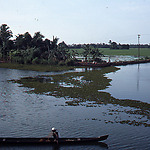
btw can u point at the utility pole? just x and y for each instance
(139, 45)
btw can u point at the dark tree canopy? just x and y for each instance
(27, 49)
(5, 35)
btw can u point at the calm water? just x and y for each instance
(133, 82)
(33, 115)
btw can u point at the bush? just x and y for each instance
(36, 61)
(28, 60)
(61, 63)
(52, 62)
(18, 59)
(70, 62)
(35, 52)
(44, 61)
(147, 57)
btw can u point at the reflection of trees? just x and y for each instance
(84, 87)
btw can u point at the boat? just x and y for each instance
(46, 140)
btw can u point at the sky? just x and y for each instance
(80, 21)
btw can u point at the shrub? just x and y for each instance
(27, 60)
(61, 63)
(44, 61)
(18, 59)
(52, 62)
(147, 57)
(36, 61)
(70, 62)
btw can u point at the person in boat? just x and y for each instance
(54, 134)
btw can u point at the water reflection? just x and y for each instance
(31, 110)
(133, 82)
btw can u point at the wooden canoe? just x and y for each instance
(45, 140)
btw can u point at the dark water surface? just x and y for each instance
(32, 115)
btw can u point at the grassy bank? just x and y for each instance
(42, 68)
(130, 52)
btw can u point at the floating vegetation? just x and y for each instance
(84, 89)
(134, 123)
(94, 118)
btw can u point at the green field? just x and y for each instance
(131, 52)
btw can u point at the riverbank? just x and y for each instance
(48, 68)
(42, 68)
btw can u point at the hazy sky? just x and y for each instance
(79, 21)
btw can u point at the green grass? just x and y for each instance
(131, 52)
(42, 68)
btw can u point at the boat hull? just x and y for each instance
(43, 140)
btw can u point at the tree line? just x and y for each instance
(25, 49)
(111, 45)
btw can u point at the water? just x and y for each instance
(115, 58)
(33, 115)
(133, 82)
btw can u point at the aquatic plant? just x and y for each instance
(84, 89)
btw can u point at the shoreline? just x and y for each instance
(41, 68)
(56, 68)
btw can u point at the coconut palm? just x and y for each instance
(5, 35)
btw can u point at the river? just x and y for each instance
(133, 82)
(24, 114)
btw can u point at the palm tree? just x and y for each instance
(5, 35)
(96, 53)
(37, 40)
(23, 41)
(87, 50)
